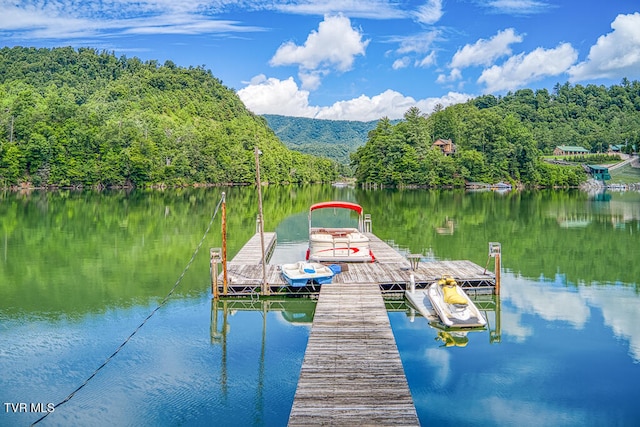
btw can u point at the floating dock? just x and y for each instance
(391, 272)
(352, 373)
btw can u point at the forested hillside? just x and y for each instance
(87, 118)
(502, 138)
(334, 139)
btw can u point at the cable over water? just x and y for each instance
(163, 302)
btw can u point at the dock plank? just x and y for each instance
(352, 373)
(251, 252)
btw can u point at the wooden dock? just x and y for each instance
(352, 373)
(392, 272)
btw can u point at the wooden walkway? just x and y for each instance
(251, 252)
(352, 373)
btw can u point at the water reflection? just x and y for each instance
(80, 271)
(557, 301)
(290, 311)
(549, 300)
(548, 369)
(620, 307)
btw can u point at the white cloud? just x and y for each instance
(428, 60)
(401, 63)
(72, 20)
(520, 70)
(416, 43)
(334, 45)
(413, 49)
(453, 76)
(427, 105)
(272, 96)
(518, 7)
(485, 52)
(371, 9)
(429, 13)
(310, 79)
(615, 55)
(390, 104)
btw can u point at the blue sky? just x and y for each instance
(352, 59)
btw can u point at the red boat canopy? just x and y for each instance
(337, 204)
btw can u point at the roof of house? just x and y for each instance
(441, 141)
(572, 148)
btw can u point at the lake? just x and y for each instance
(82, 271)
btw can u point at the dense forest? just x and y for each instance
(502, 138)
(87, 118)
(83, 118)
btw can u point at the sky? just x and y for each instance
(352, 59)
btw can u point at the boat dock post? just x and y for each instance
(215, 259)
(494, 252)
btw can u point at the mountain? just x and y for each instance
(84, 118)
(334, 139)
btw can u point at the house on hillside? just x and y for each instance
(615, 149)
(569, 150)
(598, 172)
(445, 145)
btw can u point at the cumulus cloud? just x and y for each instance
(615, 55)
(387, 104)
(272, 96)
(334, 45)
(522, 69)
(453, 76)
(485, 52)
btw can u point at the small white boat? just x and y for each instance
(453, 305)
(302, 273)
(338, 244)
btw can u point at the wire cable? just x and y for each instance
(163, 302)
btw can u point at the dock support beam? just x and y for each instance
(265, 287)
(224, 245)
(215, 260)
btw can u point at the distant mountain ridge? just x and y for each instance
(334, 139)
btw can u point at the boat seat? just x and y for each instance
(451, 296)
(306, 268)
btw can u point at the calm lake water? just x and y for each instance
(80, 271)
